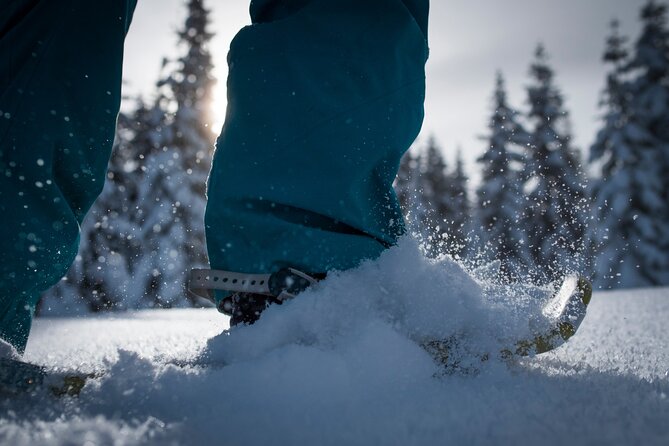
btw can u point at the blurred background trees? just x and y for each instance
(538, 209)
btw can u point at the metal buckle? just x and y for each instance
(288, 282)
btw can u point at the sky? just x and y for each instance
(469, 41)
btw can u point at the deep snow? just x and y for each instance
(341, 365)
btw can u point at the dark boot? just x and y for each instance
(245, 308)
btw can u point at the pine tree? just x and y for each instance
(649, 68)
(405, 182)
(499, 195)
(435, 181)
(613, 150)
(191, 86)
(415, 194)
(457, 216)
(432, 205)
(192, 81)
(173, 200)
(435, 200)
(557, 209)
(632, 151)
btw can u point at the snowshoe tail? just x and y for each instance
(68, 384)
(18, 377)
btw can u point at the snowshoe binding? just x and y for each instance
(251, 293)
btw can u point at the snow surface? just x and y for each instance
(341, 365)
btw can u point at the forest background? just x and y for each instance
(538, 205)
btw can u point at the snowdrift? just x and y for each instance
(342, 365)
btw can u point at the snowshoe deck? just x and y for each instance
(18, 377)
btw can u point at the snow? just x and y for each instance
(341, 365)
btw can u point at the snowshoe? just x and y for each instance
(18, 377)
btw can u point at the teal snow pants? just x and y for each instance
(324, 98)
(60, 89)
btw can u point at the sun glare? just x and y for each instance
(220, 101)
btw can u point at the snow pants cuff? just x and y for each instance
(60, 90)
(16, 313)
(324, 97)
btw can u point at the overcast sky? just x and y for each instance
(469, 41)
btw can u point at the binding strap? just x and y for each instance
(283, 284)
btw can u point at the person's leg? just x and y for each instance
(324, 97)
(60, 89)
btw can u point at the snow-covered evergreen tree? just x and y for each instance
(632, 152)
(613, 152)
(649, 68)
(186, 157)
(499, 195)
(140, 138)
(171, 200)
(192, 81)
(456, 219)
(434, 180)
(405, 184)
(431, 204)
(555, 218)
(415, 195)
(435, 200)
